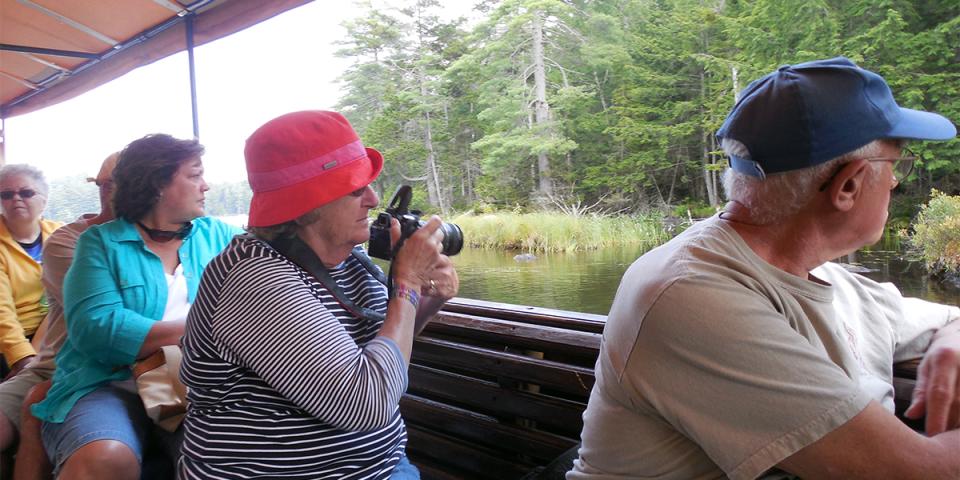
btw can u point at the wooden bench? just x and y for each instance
(497, 390)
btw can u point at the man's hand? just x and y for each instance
(937, 394)
(19, 365)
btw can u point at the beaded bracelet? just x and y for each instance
(410, 295)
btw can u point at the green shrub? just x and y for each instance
(694, 209)
(554, 232)
(936, 232)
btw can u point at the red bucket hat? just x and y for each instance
(302, 160)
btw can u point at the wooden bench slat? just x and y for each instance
(585, 322)
(517, 334)
(470, 462)
(552, 414)
(562, 377)
(429, 470)
(475, 429)
(907, 369)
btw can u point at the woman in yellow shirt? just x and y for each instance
(23, 196)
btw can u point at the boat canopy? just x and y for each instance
(54, 50)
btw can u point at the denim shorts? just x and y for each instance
(107, 413)
(405, 470)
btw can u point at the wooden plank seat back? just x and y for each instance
(498, 390)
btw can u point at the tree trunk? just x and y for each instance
(707, 158)
(717, 174)
(596, 81)
(736, 84)
(540, 106)
(434, 192)
(468, 165)
(673, 182)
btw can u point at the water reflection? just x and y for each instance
(583, 282)
(587, 282)
(888, 261)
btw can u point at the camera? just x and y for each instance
(409, 223)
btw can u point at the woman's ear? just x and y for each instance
(848, 184)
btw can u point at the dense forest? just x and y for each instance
(603, 105)
(613, 104)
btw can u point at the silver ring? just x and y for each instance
(433, 286)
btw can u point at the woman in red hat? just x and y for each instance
(295, 352)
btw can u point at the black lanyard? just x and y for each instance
(303, 256)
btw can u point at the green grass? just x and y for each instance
(936, 233)
(554, 232)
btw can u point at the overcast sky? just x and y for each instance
(281, 65)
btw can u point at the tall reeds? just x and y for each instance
(554, 232)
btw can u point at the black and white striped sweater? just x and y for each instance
(283, 381)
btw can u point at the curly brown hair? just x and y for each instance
(146, 167)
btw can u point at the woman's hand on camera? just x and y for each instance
(444, 282)
(420, 256)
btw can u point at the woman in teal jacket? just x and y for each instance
(126, 295)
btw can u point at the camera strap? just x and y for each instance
(303, 256)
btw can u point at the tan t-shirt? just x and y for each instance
(881, 326)
(716, 364)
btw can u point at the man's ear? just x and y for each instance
(848, 184)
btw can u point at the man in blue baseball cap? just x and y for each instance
(736, 350)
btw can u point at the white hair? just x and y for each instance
(24, 170)
(782, 195)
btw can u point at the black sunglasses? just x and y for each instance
(164, 236)
(24, 193)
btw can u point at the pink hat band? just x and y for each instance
(276, 179)
(302, 160)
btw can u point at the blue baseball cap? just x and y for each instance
(803, 115)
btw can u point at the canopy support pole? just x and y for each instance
(3, 141)
(193, 76)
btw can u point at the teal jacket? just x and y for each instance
(113, 293)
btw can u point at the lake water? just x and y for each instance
(582, 282)
(587, 282)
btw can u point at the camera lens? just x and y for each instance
(452, 239)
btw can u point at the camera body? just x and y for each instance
(398, 208)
